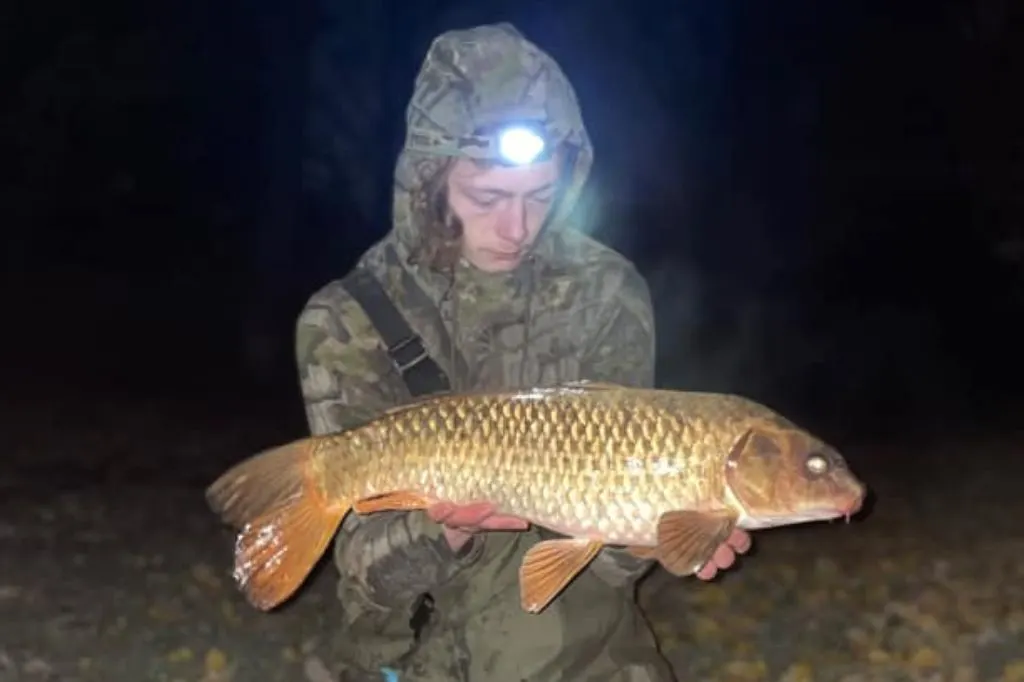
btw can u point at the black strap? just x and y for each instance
(422, 610)
(418, 370)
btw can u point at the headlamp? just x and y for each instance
(519, 145)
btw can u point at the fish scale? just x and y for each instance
(572, 461)
(668, 474)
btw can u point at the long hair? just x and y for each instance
(439, 229)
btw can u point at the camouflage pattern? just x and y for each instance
(574, 309)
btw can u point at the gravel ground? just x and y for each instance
(118, 572)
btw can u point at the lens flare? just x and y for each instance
(520, 146)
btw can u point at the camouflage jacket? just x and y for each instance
(574, 309)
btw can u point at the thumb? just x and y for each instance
(457, 539)
(440, 512)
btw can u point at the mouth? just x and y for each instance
(824, 514)
(853, 506)
(794, 518)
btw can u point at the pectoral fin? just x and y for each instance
(399, 500)
(550, 566)
(687, 539)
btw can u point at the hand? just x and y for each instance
(724, 557)
(461, 521)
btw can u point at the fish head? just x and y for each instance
(779, 475)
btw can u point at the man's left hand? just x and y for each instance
(462, 521)
(724, 557)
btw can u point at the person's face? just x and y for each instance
(501, 209)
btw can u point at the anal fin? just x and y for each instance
(688, 539)
(549, 566)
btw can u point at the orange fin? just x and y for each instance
(549, 566)
(284, 519)
(402, 500)
(687, 539)
(641, 552)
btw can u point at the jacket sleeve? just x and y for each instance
(386, 558)
(343, 371)
(623, 352)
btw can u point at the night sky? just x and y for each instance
(825, 199)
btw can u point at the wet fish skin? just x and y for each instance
(668, 473)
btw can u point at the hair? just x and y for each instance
(439, 229)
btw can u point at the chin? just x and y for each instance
(489, 264)
(505, 266)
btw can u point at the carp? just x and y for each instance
(667, 474)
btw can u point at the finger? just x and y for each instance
(457, 539)
(740, 541)
(470, 514)
(440, 512)
(458, 515)
(707, 571)
(723, 557)
(504, 523)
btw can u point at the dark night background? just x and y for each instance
(827, 200)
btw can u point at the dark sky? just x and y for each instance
(817, 192)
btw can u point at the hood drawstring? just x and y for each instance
(531, 279)
(450, 319)
(449, 304)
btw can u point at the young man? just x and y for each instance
(481, 284)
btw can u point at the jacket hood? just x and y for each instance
(475, 78)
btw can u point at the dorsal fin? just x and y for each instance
(576, 385)
(592, 385)
(416, 402)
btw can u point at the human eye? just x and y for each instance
(543, 195)
(483, 202)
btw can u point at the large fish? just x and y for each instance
(668, 474)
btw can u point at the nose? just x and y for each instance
(512, 223)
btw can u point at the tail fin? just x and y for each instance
(285, 521)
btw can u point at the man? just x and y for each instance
(482, 272)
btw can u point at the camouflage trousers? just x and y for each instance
(477, 631)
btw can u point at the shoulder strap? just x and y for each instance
(418, 370)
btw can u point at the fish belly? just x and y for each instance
(584, 505)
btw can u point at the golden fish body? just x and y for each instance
(585, 463)
(669, 474)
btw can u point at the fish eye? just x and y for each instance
(816, 464)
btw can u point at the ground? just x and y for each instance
(112, 568)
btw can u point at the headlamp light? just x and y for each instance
(519, 145)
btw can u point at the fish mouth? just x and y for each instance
(810, 515)
(796, 518)
(852, 506)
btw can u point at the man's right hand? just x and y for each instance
(392, 557)
(462, 521)
(737, 543)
